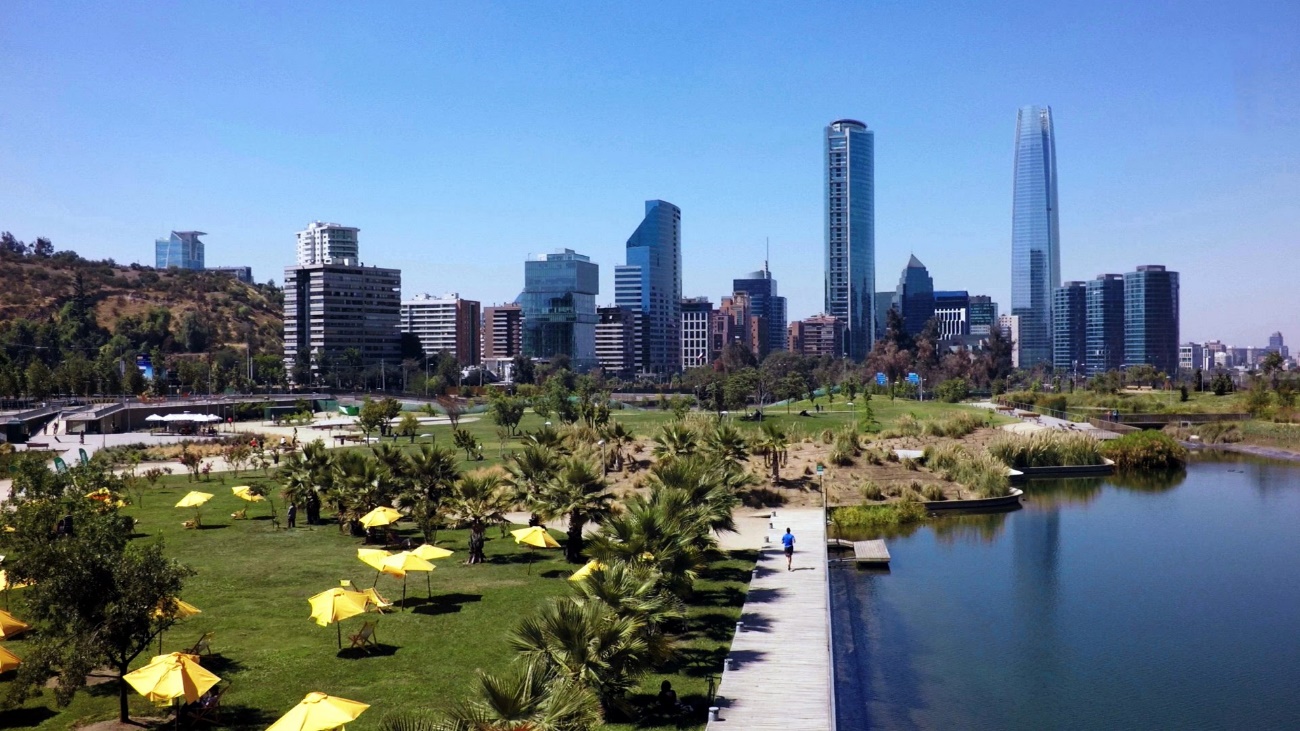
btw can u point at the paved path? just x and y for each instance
(780, 677)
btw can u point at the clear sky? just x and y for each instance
(462, 137)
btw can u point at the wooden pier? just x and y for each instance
(870, 552)
(779, 668)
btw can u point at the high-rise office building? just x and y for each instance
(1105, 328)
(444, 324)
(851, 232)
(1277, 345)
(761, 289)
(747, 327)
(1009, 327)
(1070, 327)
(331, 309)
(915, 296)
(328, 243)
(616, 341)
(1151, 318)
(884, 302)
(817, 336)
(983, 314)
(559, 307)
(1035, 234)
(1191, 356)
(651, 283)
(181, 250)
(503, 332)
(952, 313)
(243, 274)
(697, 313)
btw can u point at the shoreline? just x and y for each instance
(1247, 449)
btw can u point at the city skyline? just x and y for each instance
(1177, 122)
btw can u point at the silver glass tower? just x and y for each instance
(1035, 234)
(851, 232)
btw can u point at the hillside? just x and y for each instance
(131, 298)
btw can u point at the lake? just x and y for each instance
(1165, 603)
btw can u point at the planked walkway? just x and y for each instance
(870, 552)
(780, 677)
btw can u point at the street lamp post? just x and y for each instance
(604, 463)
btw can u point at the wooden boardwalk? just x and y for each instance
(870, 552)
(780, 673)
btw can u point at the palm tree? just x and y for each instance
(619, 438)
(578, 491)
(635, 592)
(726, 445)
(479, 500)
(549, 437)
(391, 458)
(531, 468)
(674, 441)
(359, 486)
(710, 487)
(525, 700)
(662, 531)
(433, 471)
(585, 644)
(772, 445)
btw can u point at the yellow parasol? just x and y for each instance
(244, 492)
(183, 609)
(431, 553)
(8, 661)
(11, 626)
(374, 558)
(194, 500)
(5, 585)
(404, 562)
(534, 537)
(172, 676)
(380, 516)
(318, 712)
(585, 571)
(335, 605)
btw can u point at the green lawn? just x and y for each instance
(252, 583)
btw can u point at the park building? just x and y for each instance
(446, 324)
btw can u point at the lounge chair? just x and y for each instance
(381, 604)
(365, 638)
(203, 646)
(241, 514)
(206, 709)
(190, 524)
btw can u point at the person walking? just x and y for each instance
(293, 515)
(787, 540)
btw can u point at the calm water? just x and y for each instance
(1173, 604)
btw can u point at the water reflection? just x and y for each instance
(1057, 493)
(969, 528)
(1036, 556)
(1149, 481)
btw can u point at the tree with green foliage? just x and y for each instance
(952, 390)
(371, 417)
(479, 499)
(409, 426)
(577, 491)
(465, 440)
(507, 412)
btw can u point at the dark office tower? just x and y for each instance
(559, 307)
(761, 288)
(1105, 316)
(851, 232)
(915, 296)
(1151, 318)
(983, 314)
(1035, 234)
(1070, 327)
(651, 282)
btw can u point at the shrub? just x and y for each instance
(952, 390)
(979, 473)
(933, 493)
(955, 426)
(872, 491)
(828, 436)
(840, 457)
(910, 465)
(879, 516)
(1145, 450)
(1046, 449)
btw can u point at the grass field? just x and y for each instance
(252, 583)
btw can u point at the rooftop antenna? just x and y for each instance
(767, 251)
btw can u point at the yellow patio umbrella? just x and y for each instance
(585, 571)
(319, 712)
(431, 553)
(335, 605)
(534, 537)
(380, 516)
(11, 626)
(405, 562)
(172, 676)
(183, 609)
(245, 492)
(5, 584)
(194, 500)
(374, 558)
(8, 661)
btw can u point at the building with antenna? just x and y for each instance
(764, 302)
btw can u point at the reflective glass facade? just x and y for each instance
(766, 303)
(651, 283)
(915, 296)
(559, 307)
(1151, 318)
(983, 314)
(1070, 327)
(1035, 234)
(851, 232)
(182, 249)
(1105, 328)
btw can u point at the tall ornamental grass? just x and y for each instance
(980, 473)
(1046, 449)
(1145, 450)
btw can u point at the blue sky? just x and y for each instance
(462, 137)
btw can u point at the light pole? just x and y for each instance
(604, 463)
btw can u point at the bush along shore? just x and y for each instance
(1145, 451)
(1046, 449)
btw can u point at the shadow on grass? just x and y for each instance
(214, 527)
(444, 603)
(697, 662)
(555, 574)
(360, 653)
(220, 664)
(717, 626)
(727, 596)
(241, 717)
(643, 710)
(28, 717)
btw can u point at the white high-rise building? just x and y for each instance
(444, 324)
(328, 243)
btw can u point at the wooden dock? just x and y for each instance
(870, 552)
(780, 665)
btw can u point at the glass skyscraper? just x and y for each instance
(1151, 318)
(1070, 327)
(1035, 234)
(851, 232)
(766, 303)
(915, 296)
(182, 250)
(651, 282)
(1105, 338)
(559, 307)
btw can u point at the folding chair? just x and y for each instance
(365, 638)
(208, 708)
(203, 646)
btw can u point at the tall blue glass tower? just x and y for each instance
(182, 249)
(651, 282)
(1035, 234)
(559, 307)
(851, 232)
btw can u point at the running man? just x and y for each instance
(787, 540)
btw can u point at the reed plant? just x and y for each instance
(879, 516)
(954, 427)
(1046, 449)
(1145, 450)
(980, 473)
